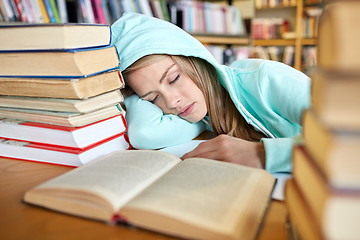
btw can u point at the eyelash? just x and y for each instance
(175, 79)
(154, 99)
(172, 82)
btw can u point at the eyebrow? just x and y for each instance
(161, 79)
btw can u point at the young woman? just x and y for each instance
(254, 106)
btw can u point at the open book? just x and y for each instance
(194, 198)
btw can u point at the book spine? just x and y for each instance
(21, 10)
(49, 11)
(44, 13)
(55, 10)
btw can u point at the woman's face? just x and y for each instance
(164, 84)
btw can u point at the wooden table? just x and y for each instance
(21, 221)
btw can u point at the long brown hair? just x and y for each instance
(224, 116)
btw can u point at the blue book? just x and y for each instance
(50, 11)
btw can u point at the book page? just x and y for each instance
(208, 194)
(116, 177)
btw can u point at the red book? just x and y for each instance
(53, 154)
(75, 137)
(99, 12)
(21, 9)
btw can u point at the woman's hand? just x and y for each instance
(231, 149)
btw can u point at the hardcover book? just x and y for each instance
(335, 98)
(338, 46)
(335, 151)
(192, 198)
(61, 118)
(63, 105)
(335, 211)
(22, 36)
(300, 215)
(59, 64)
(77, 88)
(75, 137)
(59, 155)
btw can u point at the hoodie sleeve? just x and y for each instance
(150, 128)
(288, 93)
(279, 152)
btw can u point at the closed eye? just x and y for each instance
(154, 99)
(175, 79)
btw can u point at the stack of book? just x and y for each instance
(323, 197)
(60, 93)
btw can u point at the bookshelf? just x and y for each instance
(217, 35)
(295, 35)
(228, 28)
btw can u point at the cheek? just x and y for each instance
(162, 105)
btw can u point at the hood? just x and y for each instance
(136, 35)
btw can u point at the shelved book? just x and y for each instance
(335, 151)
(335, 98)
(74, 137)
(60, 155)
(57, 87)
(63, 105)
(69, 63)
(68, 119)
(335, 211)
(193, 198)
(53, 36)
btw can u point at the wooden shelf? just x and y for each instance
(222, 39)
(276, 7)
(273, 42)
(309, 41)
(283, 42)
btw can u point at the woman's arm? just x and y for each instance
(231, 149)
(288, 93)
(150, 128)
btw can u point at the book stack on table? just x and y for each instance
(60, 93)
(323, 197)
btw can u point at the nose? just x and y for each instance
(172, 99)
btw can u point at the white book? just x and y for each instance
(74, 137)
(60, 155)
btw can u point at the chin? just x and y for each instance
(195, 119)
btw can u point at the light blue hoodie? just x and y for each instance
(271, 96)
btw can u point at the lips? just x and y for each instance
(186, 112)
